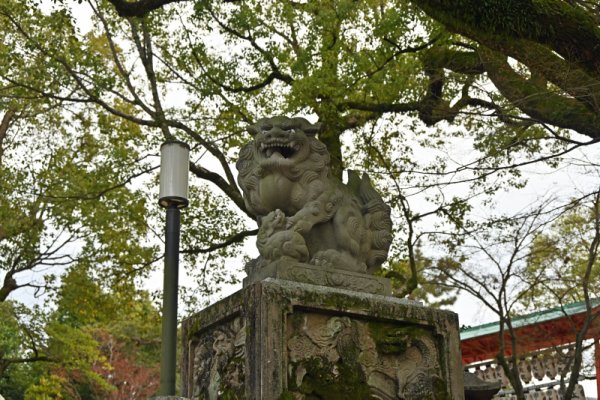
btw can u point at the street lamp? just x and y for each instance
(174, 166)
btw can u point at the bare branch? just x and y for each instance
(237, 238)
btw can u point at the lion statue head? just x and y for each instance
(285, 157)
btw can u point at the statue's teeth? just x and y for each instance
(277, 148)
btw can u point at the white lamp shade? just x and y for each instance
(174, 167)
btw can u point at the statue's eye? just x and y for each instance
(291, 131)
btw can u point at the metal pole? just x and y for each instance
(169, 318)
(597, 362)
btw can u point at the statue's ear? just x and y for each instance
(252, 130)
(312, 129)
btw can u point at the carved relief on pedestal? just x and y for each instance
(219, 362)
(360, 359)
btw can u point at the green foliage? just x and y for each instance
(78, 353)
(10, 336)
(96, 339)
(47, 388)
(81, 301)
(560, 256)
(22, 332)
(16, 378)
(434, 289)
(65, 201)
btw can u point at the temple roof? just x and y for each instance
(539, 330)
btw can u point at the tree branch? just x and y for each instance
(238, 237)
(9, 285)
(231, 191)
(6, 362)
(139, 8)
(567, 29)
(537, 101)
(7, 119)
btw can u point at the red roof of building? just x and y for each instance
(539, 330)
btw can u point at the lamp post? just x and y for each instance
(174, 166)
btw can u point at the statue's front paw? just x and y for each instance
(300, 226)
(337, 259)
(284, 244)
(321, 259)
(295, 249)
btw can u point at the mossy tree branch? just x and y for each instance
(139, 8)
(559, 25)
(557, 41)
(538, 101)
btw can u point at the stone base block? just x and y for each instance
(277, 339)
(337, 278)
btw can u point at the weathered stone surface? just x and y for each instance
(306, 273)
(278, 339)
(305, 214)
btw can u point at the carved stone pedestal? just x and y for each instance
(335, 278)
(278, 339)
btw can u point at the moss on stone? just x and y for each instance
(235, 367)
(297, 320)
(286, 395)
(229, 395)
(440, 389)
(391, 339)
(325, 380)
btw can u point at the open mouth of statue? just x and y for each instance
(279, 150)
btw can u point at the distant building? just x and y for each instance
(544, 344)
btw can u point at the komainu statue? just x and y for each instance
(304, 213)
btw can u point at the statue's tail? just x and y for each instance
(377, 216)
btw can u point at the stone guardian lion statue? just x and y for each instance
(304, 213)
